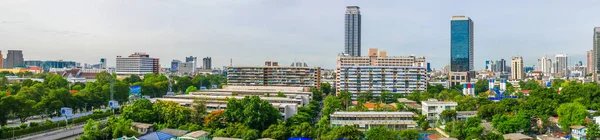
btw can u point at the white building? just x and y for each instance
(378, 72)
(561, 63)
(517, 71)
(544, 65)
(186, 68)
(368, 120)
(136, 64)
(432, 108)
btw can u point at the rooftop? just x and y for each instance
(141, 125)
(372, 114)
(196, 134)
(174, 132)
(516, 136)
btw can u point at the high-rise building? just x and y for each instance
(207, 63)
(461, 44)
(14, 58)
(137, 64)
(502, 66)
(1, 60)
(561, 64)
(352, 30)
(175, 65)
(596, 51)
(544, 65)
(378, 72)
(517, 71)
(194, 60)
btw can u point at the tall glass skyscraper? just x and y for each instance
(352, 39)
(461, 44)
(596, 52)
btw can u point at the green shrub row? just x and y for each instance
(8, 132)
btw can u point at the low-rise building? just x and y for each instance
(578, 132)
(142, 128)
(196, 135)
(516, 136)
(367, 120)
(464, 115)
(432, 108)
(271, 74)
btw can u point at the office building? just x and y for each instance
(378, 72)
(352, 30)
(186, 68)
(137, 64)
(561, 64)
(433, 108)
(590, 61)
(367, 120)
(1, 61)
(194, 61)
(596, 50)
(501, 67)
(271, 74)
(47, 65)
(207, 63)
(461, 44)
(14, 58)
(428, 67)
(544, 65)
(175, 65)
(517, 70)
(101, 65)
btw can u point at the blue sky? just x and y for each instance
(252, 31)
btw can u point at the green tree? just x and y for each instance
(331, 104)
(571, 114)
(199, 111)
(344, 132)
(304, 130)
(132, 79)
(326, 88)
(119, 127)
(380, 133)
(190, 89)
(237, 130)
(386, 97)
(280, 94)
(593, 132)
(277, 131)
(56, 81)
(171, 113)
(140, 111)
(409, 134)
(91, 131)
(245, 112)
(448, 115)
(492, 136)
(345, 97)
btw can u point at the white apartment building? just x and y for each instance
(271, 74)
(517, 71)
(136, 64)
(432, 108)
(367, 120)
(378, 72)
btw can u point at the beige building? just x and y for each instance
(516, 68)
(367, 120)
(271, 74)
(378, 72)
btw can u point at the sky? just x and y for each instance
(248, 32)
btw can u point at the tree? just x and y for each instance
(345, 97)
(423, 122)
(317, 95)
(171, 113)
(119, 127)
(140, 111)
(56, 81)
(91, 131)
(531, 85)
(506, 124)
(132, 79)
(277, 131)
(245, 112)
(199, 111)
(400, 106)
(448, 115)
(344, 132)
(237, 130)
(409, 134)
(326, 88)
(331, 104)
(593, 131)
(492, 136)
(280, 94)
(304, 130)
(380, 133)
(571, 114)
(190, 89)
(387, 97)
(365, 96)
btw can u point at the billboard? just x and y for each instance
(113, 104)
(215, 86)
(66, 111)
(135, 90)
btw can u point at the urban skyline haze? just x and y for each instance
(250, 32)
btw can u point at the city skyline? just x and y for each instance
(291, 31)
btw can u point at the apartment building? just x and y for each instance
(137, 64)
(271, 74)
(378, 72)
(367, 120)
(432, 108)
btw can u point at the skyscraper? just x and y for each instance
(1, 60)
(14, 58)
(207, 63)
(352, 38)
(461, 44)
(517, 71)
(193, 60)
(561, 63)
(596, 49)
(545, 65)
(590, 61)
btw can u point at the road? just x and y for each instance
(58, 134)
(13, 123)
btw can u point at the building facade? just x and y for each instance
(461, 44)
(273, 75)
(517, 70)
(544, 65)
(186, 68)
(137, 64)
(47, 65)
(433, 108)
(1, 61)
(596, 49)
(378, 72)
(352, 30)
(590, 61)
(561, 64)
(14, 58)
(207, 63)
(367, 120)
(194, 61)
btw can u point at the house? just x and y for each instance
(196, 135)
(174, 132)
(222, 138)
(516, 136)
(142, 128)
(464, 115)
(157, 136)
(578, 132)
(432, 108)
